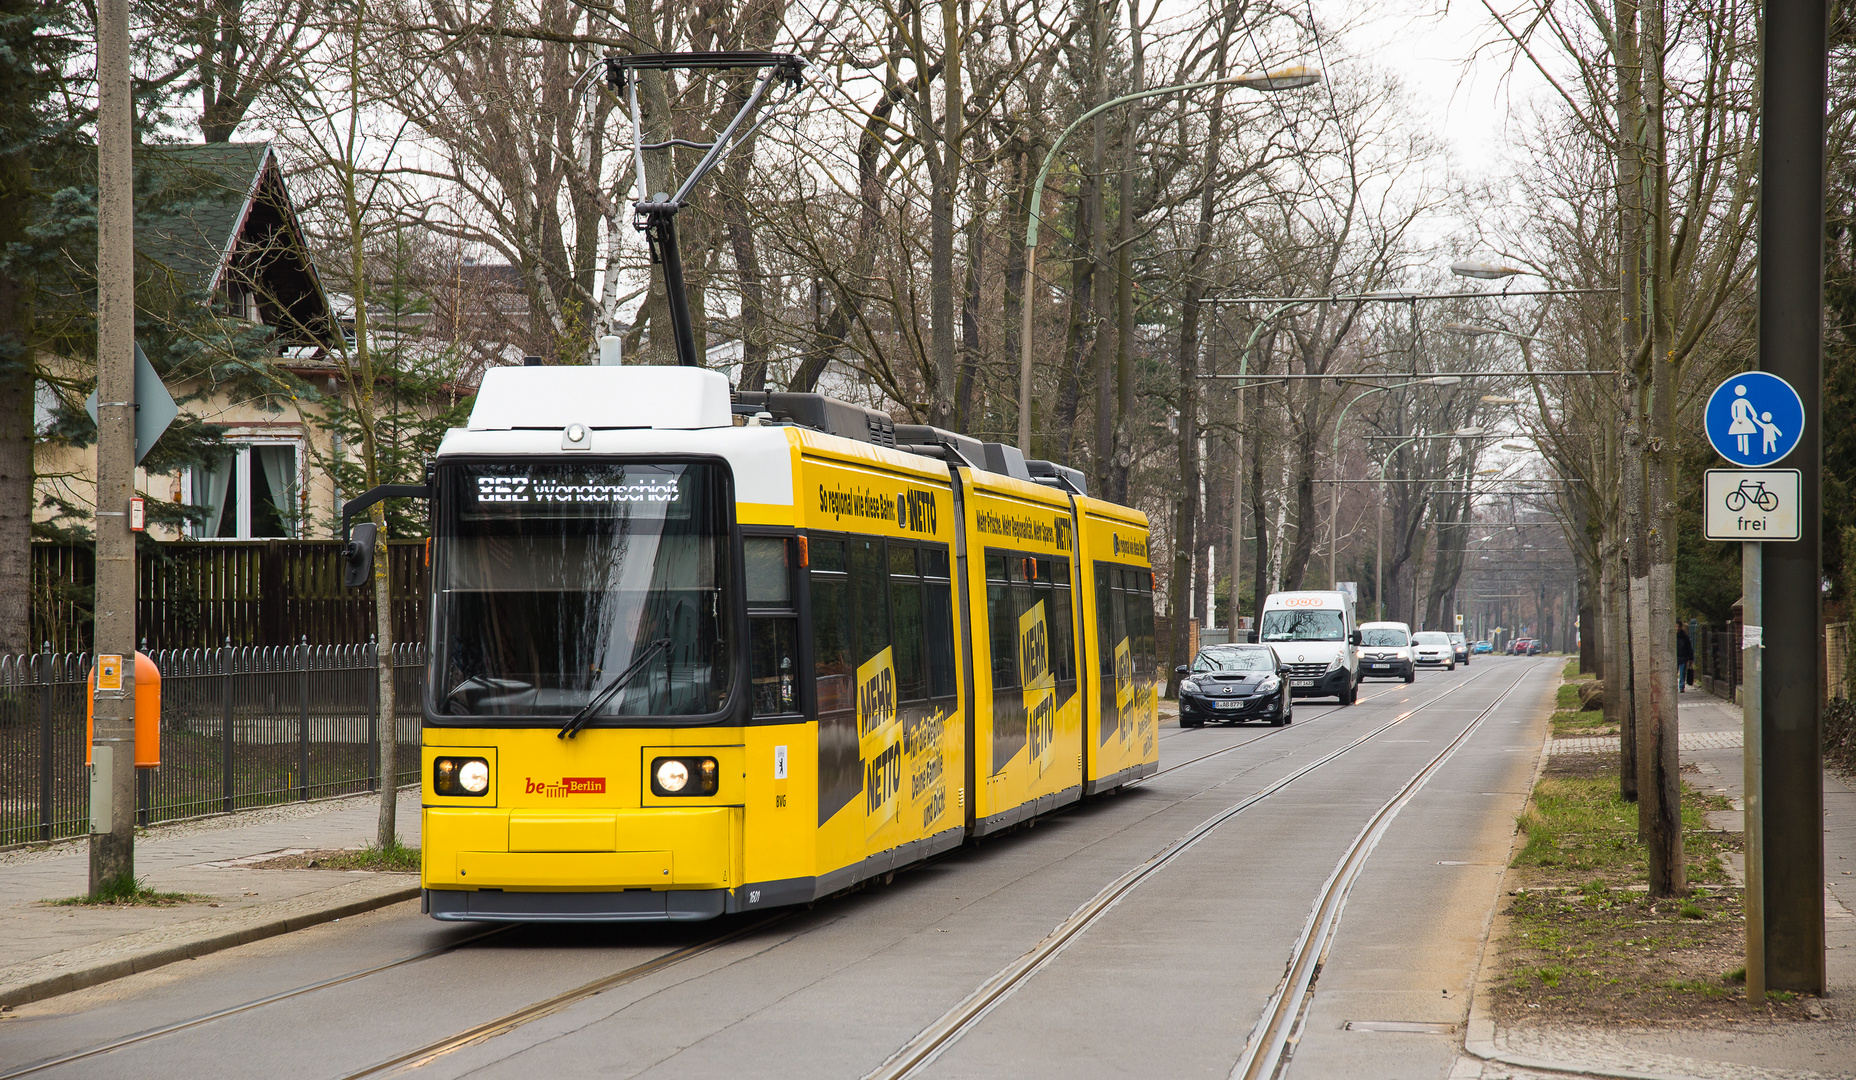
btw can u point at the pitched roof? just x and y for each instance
(206, 210)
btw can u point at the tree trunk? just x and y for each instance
(1186, 498)
(1658, 762)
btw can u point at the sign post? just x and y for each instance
(1755, 420)
(1791, 312)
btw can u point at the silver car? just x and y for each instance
(1432, 648)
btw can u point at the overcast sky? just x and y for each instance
(1432, 45)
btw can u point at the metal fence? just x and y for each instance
(207, 593)
(240, 728)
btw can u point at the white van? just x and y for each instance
(1315, 636)
(1385, 651)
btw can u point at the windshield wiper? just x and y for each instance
(580, 719)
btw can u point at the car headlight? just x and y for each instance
(689, 777)
(1335, 664)
(1189, 686)
(460, 776)
(1268, 685)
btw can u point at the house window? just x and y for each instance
(250, 494)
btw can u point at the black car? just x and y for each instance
(1229, 684)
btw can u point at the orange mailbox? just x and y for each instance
(147, 708)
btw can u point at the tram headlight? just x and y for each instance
(688, 777)
(460, 776)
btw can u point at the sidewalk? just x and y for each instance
(1710, 741)
(47, 950)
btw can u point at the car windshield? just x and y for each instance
(1384, 638)
(1429, 637)
(1457, 639)
(1234, 658)
(1317, 625)
(552, 580)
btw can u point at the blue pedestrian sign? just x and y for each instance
(1754, 419)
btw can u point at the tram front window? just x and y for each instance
(552, 580)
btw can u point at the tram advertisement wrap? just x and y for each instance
(1040, 686)
(879, 739)
(924, 741)
(1124, 690)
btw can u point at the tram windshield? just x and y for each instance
(554, 579)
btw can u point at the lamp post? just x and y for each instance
(1288, 78)
(1334, 488)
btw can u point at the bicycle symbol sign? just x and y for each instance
(1751, 504)
(1754, 419)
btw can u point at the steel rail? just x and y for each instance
(234, 1010)
(928, 1044)
(510, 1021)
(1265, 1049)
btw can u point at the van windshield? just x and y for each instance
(1318, 625)
(1384, 637)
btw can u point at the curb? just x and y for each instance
(1479, 1032)
(76, 969)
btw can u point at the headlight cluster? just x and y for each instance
(1189, 686)
(1268, 685)
(683, 776)
(460, 776)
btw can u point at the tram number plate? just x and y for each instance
(1230, 704)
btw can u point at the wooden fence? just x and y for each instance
(209, 594)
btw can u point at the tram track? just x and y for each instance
(1267, 1049)
(1271, 1032)
(258, 1003)
(489, 1029)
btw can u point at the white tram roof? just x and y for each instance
(550, 398)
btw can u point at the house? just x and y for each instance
(215, 224)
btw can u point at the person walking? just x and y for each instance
(1685, 658)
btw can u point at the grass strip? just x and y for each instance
(126, 890)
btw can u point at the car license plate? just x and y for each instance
(1231, 704)
(1381, 667)
(1302, 682)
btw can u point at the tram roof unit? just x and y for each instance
(527, 410)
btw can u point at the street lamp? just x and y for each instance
(1334, 488)
(1492, 399)
(1288, 78)
(1471, 268)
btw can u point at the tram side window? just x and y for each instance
(1111, 628)
(773, 627)
(1001, 622)
(905, 593)
(870, 588)
(938, 619)
(840, 772)
(1138, 601)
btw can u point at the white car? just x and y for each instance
(1433, 648)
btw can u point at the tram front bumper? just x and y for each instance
(580, 851)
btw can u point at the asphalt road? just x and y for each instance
(1170, 981)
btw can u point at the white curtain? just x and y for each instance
(209, 489)
(279, 464)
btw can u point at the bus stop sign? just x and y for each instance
(1754, 419)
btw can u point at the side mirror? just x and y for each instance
(1182, 670)
(1355, 637)
(1253, 637)
(358, 555)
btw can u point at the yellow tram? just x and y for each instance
(694, 652)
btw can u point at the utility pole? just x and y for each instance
(1791, 272)
(112, 783)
